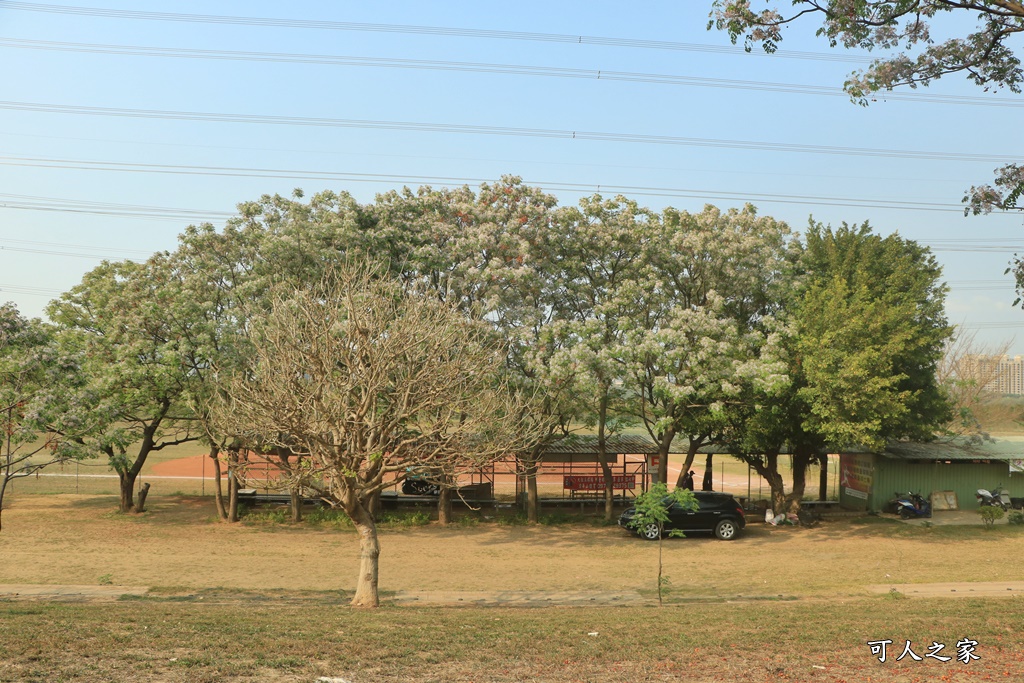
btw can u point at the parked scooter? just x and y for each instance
(997, 497)
(912, 505)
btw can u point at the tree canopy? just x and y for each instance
(370, 382)
(440, 328)
(35, 381)
(135, 364)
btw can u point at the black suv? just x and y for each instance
(718, 512)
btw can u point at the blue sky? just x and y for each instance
(60, 188)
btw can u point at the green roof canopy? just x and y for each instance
(958, 448)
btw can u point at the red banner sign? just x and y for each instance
(595, 482)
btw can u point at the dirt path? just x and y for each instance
(413, 598)
(26, 591)
(976, 589)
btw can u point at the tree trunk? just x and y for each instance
(664, 446)
(129, 474)
(143, 493)
(444, 504)
(232, 494)
(691, 455)
(709, 474)
(296, 493)
(218, 493)
(602, 458)
(529, 464)
(768, 468)
(823, 477)
(369, 557)
(3, 489)
(801, 460)
(127, 482)
(532, 499)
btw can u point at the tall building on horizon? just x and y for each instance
(998, 374)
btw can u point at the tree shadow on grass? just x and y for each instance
(562, 530)
(160, 510)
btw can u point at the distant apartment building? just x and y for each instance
(998, 374)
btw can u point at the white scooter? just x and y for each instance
(997, 497)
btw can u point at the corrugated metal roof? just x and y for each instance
(959, 448)
(585, 444)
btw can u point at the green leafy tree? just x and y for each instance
(34, 382)
(864, 331)
(904, 29)
(870, 334)
(136, 370)
(651, 512)
(600, 273)
(714, 276)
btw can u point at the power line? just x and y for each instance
(480, 67)
(491, 160)
(399, 180)
(35, 203)
(30, 291)
(323, 25)
(50, 252)
(8, 240)
(994, 325)
(995, 248)
(378, 124)
(978, 282)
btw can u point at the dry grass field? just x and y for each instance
(265, 601)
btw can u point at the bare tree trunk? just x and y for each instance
(532, 499)
(3, 489)
(444, 503)
(664, 446)
(529, 465)
(691, 455)
(233, 487)
(768, 468)
(143, 493)
(823, 477)
(218, 493)
(602, 458)
(127, 484)
(801, 460)
(369, 557)
(296, 493)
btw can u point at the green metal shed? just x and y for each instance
(868, 480)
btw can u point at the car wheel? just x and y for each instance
(726, 529)
(649, 531)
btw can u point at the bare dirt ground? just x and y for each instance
(76, 540)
